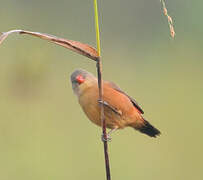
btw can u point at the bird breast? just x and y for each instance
(88, 100)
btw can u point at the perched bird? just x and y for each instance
(120, 110)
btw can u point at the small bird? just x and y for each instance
(120, 110)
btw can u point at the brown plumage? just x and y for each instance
(120, 109)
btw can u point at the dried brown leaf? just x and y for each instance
(78, 47)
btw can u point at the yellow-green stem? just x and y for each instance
(97, 27)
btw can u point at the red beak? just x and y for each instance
(80, 79)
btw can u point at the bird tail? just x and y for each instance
(148, 129)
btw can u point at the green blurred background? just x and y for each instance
(44, 134)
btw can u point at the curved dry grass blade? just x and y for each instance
(4, 35)
(78, 47)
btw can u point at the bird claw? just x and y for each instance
(106, 139)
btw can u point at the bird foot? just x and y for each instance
(106, 139)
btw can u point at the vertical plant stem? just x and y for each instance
(97, 27)
(100, 86)
(104, 134)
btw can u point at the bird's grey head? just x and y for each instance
(81, 78)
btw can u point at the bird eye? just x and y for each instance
(80, 79)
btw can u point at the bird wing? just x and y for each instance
(110, 107)
(117, 88)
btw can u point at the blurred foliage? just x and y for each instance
(44, 134)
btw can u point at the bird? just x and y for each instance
(120, 110)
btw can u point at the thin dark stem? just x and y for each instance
(104, 134)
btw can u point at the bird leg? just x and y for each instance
(110, 107)
(108, 137)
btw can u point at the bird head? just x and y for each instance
(82, 80)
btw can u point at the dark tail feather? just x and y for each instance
(148, 129)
